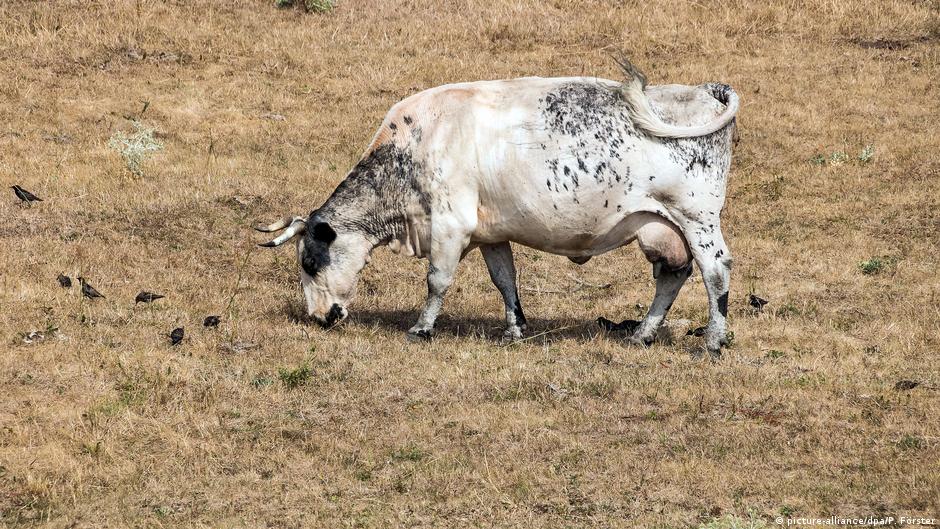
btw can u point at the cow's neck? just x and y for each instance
(383, 199)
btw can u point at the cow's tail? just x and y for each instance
(646, 119)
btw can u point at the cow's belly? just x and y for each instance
(566, 207)
(599, 221)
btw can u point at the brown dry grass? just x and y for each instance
(104, 424)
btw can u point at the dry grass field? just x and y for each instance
(833, 216)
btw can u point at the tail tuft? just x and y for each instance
(631, 72)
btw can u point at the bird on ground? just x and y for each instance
(87, 290)
(906, 385)
(627, 326)
(24, 195)
(698, 331)
(147, 297)
(757, 303)
(176, 336)
(64, 281)
(210, 321)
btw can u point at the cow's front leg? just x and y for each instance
(446, 251)
(502, 270)
(668, 283)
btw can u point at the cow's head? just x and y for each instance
(330, 262)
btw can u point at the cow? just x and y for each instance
(574, 166)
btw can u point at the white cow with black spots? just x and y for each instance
(574, 166)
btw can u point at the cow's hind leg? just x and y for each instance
(663, 245)
(668, 283)
(502, 270)
(713, 258)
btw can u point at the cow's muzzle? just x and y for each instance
(334, 316)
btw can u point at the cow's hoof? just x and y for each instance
(701, 353)
(642, 341)
(511, 335)
(419, 336)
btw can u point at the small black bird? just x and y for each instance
(698, 331)
(24, 195)
(210, 321)
(176, 336)
(87, 290)
(757, 303)
(627, 326)
(906, 385)
(147, 297)
(65, 281)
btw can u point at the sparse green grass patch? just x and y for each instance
(838, 158)
(295, 377)
(876, 265)
(409, 452)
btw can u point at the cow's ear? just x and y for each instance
(323, 232)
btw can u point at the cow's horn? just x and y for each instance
(297, 225)
(276, 225)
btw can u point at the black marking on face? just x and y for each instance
(323, 232)
(392, 126)
(619, 208)
(315, 255)
(605, 203)
(416, 134)
(408, 120)
(723, 304)
(719, 253)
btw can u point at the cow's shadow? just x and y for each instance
(475, 326)
(457, 325)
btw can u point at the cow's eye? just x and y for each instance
(310, 263)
